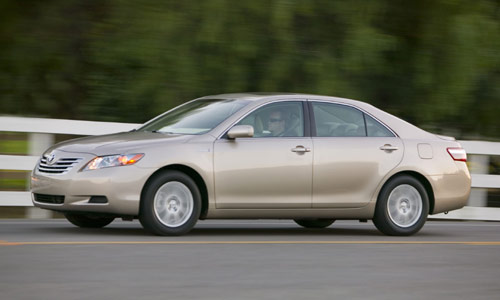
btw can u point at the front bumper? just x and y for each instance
(121, 186)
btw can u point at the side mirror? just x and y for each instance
(240, 131)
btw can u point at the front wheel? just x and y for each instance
(171, 204)
(314, 223)
(88, 221)
(402, 206)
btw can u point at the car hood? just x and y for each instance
(119, 143)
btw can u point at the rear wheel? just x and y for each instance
(314, 223)
(171, 204)
(88, 221)
(402, 206)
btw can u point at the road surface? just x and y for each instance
(246, 259)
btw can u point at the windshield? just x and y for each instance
(196, 117)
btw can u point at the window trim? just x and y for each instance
(313, 119)
(202, 99)
(306, 120)
(381, 123)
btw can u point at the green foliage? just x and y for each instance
(7, 184)
(13, 180)
(435, 63)
(13, 143)
(13, 147)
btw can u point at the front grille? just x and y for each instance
(52, 199)
(60, 166)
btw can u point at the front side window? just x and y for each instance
(196, 117)
(336, 120)
(281, 119)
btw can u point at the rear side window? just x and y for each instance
(336, 120)
(374, 128)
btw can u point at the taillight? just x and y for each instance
(457, 154)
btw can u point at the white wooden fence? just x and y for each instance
(41, 136)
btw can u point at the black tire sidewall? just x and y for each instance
(88, 221)
(314, 223)
(147, 216)
(381, 218)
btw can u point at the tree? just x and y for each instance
(434, 63)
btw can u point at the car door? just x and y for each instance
(353, 152)
(273, 169)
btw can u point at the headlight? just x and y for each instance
(100, 162)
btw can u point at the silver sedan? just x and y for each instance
(313, 159)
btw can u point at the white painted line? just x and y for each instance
(481, 147)
(61, 126)
(15, 199)
(18, 162)
(53, 243)
(471, 213)
(486, 181)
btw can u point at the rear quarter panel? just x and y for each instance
(450, 180)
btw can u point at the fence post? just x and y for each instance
(479, 164)
(37, 144)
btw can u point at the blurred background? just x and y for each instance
(434, 63)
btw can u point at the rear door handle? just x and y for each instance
(301, 149)
(389, 147)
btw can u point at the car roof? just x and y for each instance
(262, 95)
(401, 127)
(247, 96)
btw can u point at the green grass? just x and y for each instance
(11, 180)
(12, 212)
(13, 184)
(17, 144)
(14, 147)
(13, 143)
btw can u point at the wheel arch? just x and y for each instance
(421, 178)
(200, 183)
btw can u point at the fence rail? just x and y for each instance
(41, 135)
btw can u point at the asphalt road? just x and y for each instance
(51, 259)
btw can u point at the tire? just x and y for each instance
(402, 206)
(170, 204)
(88, 221)
(314, 223)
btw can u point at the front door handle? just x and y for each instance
(389, 147)
(301, 149)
